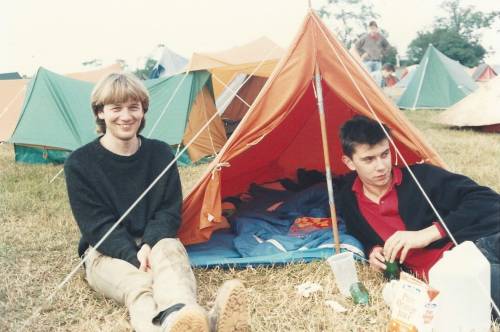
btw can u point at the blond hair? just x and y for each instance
(118, 88)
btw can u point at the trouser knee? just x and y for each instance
(170, 248)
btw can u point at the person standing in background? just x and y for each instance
(372, 47)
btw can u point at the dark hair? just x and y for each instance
(360, 130)
(389, 67)
(373, 24)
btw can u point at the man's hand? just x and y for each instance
(405, 240)
(377, 259)
(143, 255)
(364, 56)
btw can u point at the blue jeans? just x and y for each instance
(373, 65)
(490, 247)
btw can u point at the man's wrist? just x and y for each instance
(440, 228)
(433, 233)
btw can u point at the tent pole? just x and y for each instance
(420, 84)
(326, 155)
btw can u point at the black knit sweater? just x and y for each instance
(469, 210)
(102, 186)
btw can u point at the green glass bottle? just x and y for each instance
(391, 271)
(359, 293)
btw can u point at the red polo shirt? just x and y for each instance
(385, 220)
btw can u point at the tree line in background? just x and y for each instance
(457, 35)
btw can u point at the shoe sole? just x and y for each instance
(189, 320)
(233, 313)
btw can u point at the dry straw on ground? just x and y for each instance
(38, 240)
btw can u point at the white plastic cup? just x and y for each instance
(344, 270)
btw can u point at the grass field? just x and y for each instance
(38, 240)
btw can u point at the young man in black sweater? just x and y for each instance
(141, 263)
(386, 211)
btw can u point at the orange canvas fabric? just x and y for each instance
(304, 225)
(211, 139)
(281, 131)
(11, 101)
(95, 75)
(258, 57)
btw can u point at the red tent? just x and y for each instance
(483, 73)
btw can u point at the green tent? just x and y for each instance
(10, 76)
(56, 117)
(438, 83)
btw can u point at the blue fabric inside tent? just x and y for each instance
(262, 237)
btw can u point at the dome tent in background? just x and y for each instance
(56, 117)
(437, 83)
(246, 67)
(12, 93)
(483, 73)
(480, 109)
(170, 63)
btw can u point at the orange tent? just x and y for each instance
(95, 75)
(281, 131)
(258, 57)
(11, 102)
(12, 97)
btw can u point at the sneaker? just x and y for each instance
(230, 311)
(191, 318)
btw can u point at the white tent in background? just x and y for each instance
(170, 63)
(480, 109)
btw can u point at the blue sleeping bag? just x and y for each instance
(261, 237)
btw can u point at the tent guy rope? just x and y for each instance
(266, 57)
(167, 105)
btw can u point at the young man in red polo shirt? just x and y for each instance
(385, 210)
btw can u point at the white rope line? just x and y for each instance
(7, 107)
(235, 93)
(206, 119)
(420, 83)
(49, 299)
(231, 90)
(178, 148)
(397, 151)
(167, 105)
(55, 176)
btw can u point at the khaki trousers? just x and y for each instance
(145, 294)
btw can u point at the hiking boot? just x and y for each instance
(191, 318)
(230, 312)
